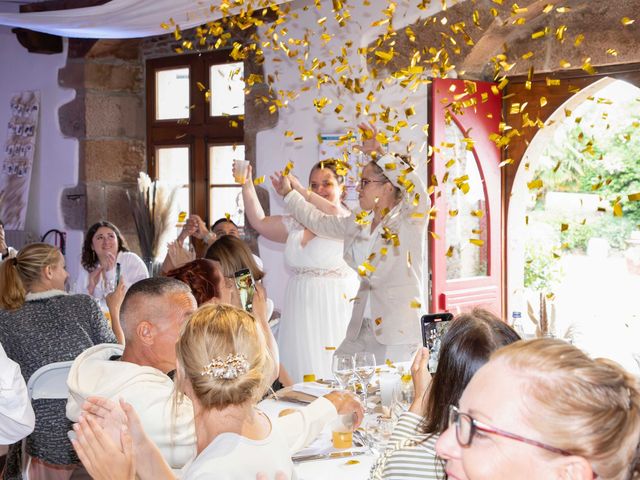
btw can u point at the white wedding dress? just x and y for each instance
(317, 306)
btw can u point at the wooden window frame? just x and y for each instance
(198, 132)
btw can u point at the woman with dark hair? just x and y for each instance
(385, 244)
(317, 303)
(466, 346)
(103, 250)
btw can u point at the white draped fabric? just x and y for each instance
(118, 18)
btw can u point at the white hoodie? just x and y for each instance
(147, 389)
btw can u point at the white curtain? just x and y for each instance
(118, 18)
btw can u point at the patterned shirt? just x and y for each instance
(409, 453)
(51, 327)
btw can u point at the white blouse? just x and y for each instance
(132, 270)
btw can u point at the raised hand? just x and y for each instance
(103, 457)
(110, 262)
(421, 379)
(370, 143)
(281, 183)
(94, 279)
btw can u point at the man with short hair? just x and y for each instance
(152, 313)
(225, 226)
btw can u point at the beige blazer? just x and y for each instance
(396, 286)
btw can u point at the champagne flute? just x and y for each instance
(365, 367)
(342, 368)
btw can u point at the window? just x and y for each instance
(195, 129)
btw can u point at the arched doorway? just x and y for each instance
(569, 242)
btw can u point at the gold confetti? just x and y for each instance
(227, 216)
(415, 304)
(449, 252)
(626, 21)
(352, 462)
(476, 241)
(564, 227)
(329, 348)
(634, 197)
(259, 180)
(617, 209)
(535, 184)
(378, 321)
(287, 169)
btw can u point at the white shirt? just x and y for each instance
(132, 270)
(17, 419)
(233, 457)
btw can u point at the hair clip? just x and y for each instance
(228, 369)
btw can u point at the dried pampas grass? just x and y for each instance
(151, 206)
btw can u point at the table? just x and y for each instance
(323, 469)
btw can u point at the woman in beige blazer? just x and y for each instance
(386, 245)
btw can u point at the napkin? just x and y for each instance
(312, 388)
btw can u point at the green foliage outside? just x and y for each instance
(542, 270)
(596, 151)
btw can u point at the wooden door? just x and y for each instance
(465, 235)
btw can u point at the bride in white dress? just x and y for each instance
(317, 305)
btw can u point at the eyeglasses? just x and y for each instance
(467, 426)
(365, 181)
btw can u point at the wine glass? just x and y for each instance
(342, 368)
(365, 367)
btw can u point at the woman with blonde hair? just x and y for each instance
(41, 324)
(544, 409)
(222, 360)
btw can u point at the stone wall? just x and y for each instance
(108, 119)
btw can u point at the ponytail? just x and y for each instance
(12, 291)
(18, 274)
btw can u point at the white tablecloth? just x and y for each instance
(337, 469)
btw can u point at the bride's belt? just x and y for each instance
(338, 272)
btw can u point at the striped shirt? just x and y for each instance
(409, 454)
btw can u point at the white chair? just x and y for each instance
(49, 381)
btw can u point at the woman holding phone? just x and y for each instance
(467, 345)
(105, 260)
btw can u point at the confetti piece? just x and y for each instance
(564, 227)
(626, 21)
(227, 216)
(310, 377)
(287, 168)
(415, 304)
(476, 241)
(259, 180)
(535, 184)
(634, 197)
(352, 462)
(449, 252)
(329, 348)
(378, 321)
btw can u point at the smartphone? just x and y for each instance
(434, 326)
(117, 274)
(246, 288)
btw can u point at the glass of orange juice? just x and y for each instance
(240, 170)
(342, 431)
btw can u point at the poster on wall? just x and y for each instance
(339, 146)
(18, 155)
